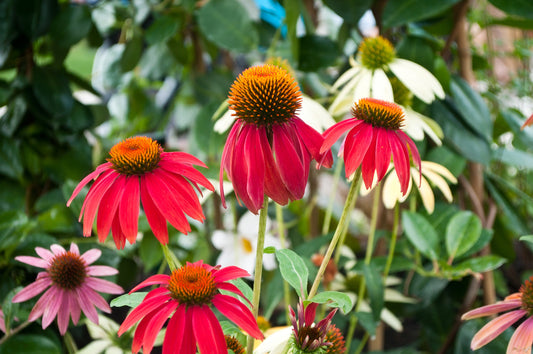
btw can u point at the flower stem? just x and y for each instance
(345, 230)
(172, 260)
(394, 237)
(343, 222)
(258, 273)
(281, 232)
(329, 210)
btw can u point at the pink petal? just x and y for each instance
(233, 289)
(74, 248)
(44, 253)
(103, 286)
(383, 153)
(32, 290)
(34, 261)
(207, 330)
(522, 338)
(274, 186)
(108, 206)
(239, 171)
(96, 299)
(142, 310)
(153, 280)
(256, 167)
(356, 146)
(186, 171)
(166, 202)
(414, 152)
(333, 133)
(313, 141)
(182, 158)
(129, 208)
(63, 313)
(155, 325)
(229, 273)
(492, 309)
(237, 312)
(101, 168)
(184, 193)
(95, 195)
(226, 158)
(91, 255)
(179, 337)
(74, 307)
(99, 270)
(290, 166)
(139, 336)
(50, 311)
(86, 304)
(400, 157)
(157, 222)
(368, 166)
(310, 314)
(118, 236)
(57, 249)
(495, 327)
(41, 305)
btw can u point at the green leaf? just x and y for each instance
(150, 252)
(162, 29)
(157, 62)
(471, 107)
(479, 264)
(522, 8)
(227, 24)
(527, 238)
(130, 300)
(292, 13)
(52, 90)
(293, 270)
(243, 287)
(71, 25)
(350, 11)
(10, 156)
(368, 322)
(376, 291)
(483, 240)
(421, 234)
(510, 21)
(334, 299)
(416, 49)
(132, 53)
(400, 12)
(30, 344)
(33, 17)
(513, 157)
(104, 17)
(462, 232)
(317, 52)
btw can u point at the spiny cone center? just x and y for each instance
(233, 344)
(192, 285)
(527, 296)
(376, 52)
(68, 270)
(135, 156)
(265, 95)
(335, 337)
(379, 113)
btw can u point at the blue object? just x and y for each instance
(272, 13)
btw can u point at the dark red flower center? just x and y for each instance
(234, 345)
(265, 95)
(135, 156)
(526, 290)
(379, 113)
(68, 270)
(310, 338)
(192, 285)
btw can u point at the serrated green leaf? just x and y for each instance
(130, 300)
(421, 234)
(334, 299)
(462, 232)
(293, 270)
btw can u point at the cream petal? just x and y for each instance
(364, 83)
(345, 77)
(381, 87)
(275, 343)
(417, 79)
(440, 183)
(391, 193)
(344, 100)
(224, 122)
(315, 115)
(441, 170)
(428, 198)
(417, 124)
(389, 318)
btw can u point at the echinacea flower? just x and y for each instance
(374, 135)
(522, 305)
(72, 286)
(269, 148)
(186, 296)
(238, 248)
(139, 170)
(433, 172)
(2, 322)
(305, 336)
(367, 76)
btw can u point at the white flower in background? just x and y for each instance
(276, 341)
(437, 174)
(367, 77)
(312, 113)
(239, 248)
(417, 125)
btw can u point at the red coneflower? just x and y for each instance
(522, 305)
(374, 135)
(187, 295)
(139, 169)
(72, 286)
(269, 149)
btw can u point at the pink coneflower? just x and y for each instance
(308, 336)
(374, 135)
(139, 169)
(187, 295)
(522, 304)
(269, 149)
(72, 286)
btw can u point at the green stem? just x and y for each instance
(394, 237)
(350, 332)
(362, 344)
(172, 260)
(14, 331)
(281, 232)
(344, 220)
(329, 210)
(258, 273)
(345, 230)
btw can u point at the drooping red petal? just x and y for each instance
(313, 141)
(108, 207)
(156, 220)
(144, 308)
(129, 208)
(289, 163)
(238, 313)
(274, 186)
(155, 325)
(118, 235)
(400, 157)
(179, 337)
(186, 171)
(229, 273)
(356, 147)
(383, 153)
(140, 330)
(256, 167)
(99, 169)
(182, 158)
(92, 200)
(414, 152)
(207, 330)
(184, 194)
(233, 289)
(225, 160)
(239, 172)
(368, 166)
(333, 133)
(153, 280)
